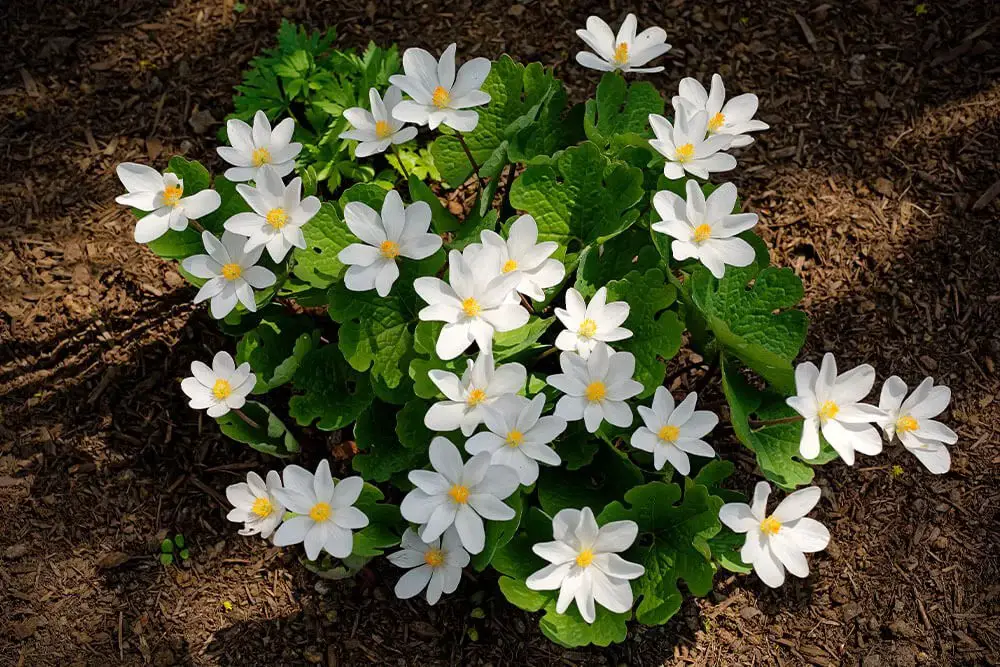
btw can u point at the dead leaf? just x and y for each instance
(112, 560)
(201, 121)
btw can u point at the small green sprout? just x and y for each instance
(171, 548)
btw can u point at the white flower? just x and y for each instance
(585, 565)
(469, 397)
(912, 421)
(163, 196)
(255, 505)
(831, 403)
(232, 273)
(474, 303)
(596, 388)
(439, 96)
(400, 231)
(521, 252)
(254, 148)
(326, 512)
(778, 541)
(460, 495)
(518, 436)
(705, 229)
(627, 51)
(436, 566)
(686, 148)
(377, 129)
(672, 433)
(277, 217)
(735, 118)
(589, 325)
(218, 389)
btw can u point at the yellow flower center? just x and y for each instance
(222, 389)
(587, 328)
(471, 307)
(510, 265)
(906, 424)
(669, 433)
(320, 512)
(685, 152)
(382, 129)
(389, 249)
(717, 121)
(260, 157)
(514, 439)
(277, 218)
(459, 493)
(828, 410)
(621, 54)
(172, 195)
(434, 557)
(770, 526)
(475, 397)
(596, 391)
(231, 271)
(702, 232)
(262, 507)
(441, 97)
(585, 558)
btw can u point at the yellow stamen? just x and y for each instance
(320, 512)
(702, 233)
(222, 389)
(459, 493)
(585, 558)
(770, 526)
(277, 218)
(260, 157)
(471, 307)
(828, 410)
(441, 97)
(434, 557)
(717, 121)
(475, 397)
(685, 152)
(509, 266)
(382, 129)
(596, 391)
(231, 271)
(621, 54)
(389, 249)
(906, 424)
(514, 439)
(587, 328)
(262, 507)
(669, 433)
(172, 195)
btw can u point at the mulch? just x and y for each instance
(878, 183)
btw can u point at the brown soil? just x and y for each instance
(878, 183)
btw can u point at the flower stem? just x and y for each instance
(774, 422)
(197, 225)
(242, 415)
(399, 159)
(552, 350)
(468, 154)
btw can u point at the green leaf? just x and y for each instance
(425, 336)
(179, 541)
(576, 447)
(509, 344)
(270, 436)
(333, 392)
(755, 323)
(570, 630)
(326, 235)
(499, 533)
(726, 548)
(276, 347)
(615, 258)
(469, 230)
(522, 597)
(777, 445)
(580, 195)
(385, 525)
(181, 244)
(166, 559)
(656, 332)
(607, 478)
(672, 543)
(441, 220)
(621, 109)
(167, 546)
(379, 434)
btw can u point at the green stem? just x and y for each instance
(774, 422)
(468, 154)
(242, 415)
(399, 159)
(197, 225)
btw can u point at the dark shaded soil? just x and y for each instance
(874, 183)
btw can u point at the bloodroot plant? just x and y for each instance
(490, 366)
